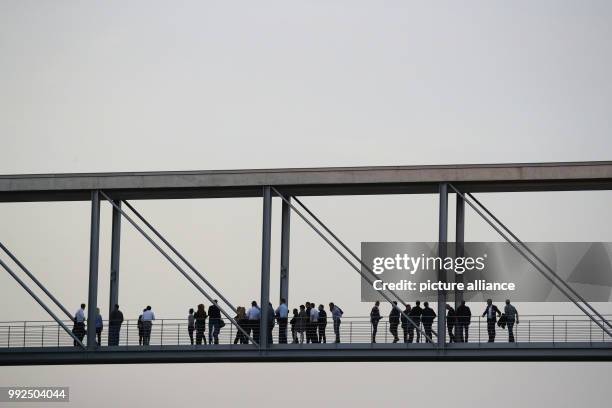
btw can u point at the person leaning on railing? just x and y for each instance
(337, 317)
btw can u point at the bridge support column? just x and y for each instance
(459, 241)
(265, 266)
(115, 255)
(94, 248)
(442, 242)
(284, 261)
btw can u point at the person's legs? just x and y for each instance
(190, 331)
(337, 330)
(294, 336)
(491, 330)
(255, 326)
(322, 337)
(282, 331)
(418, 333)
(302, 337)
(427, 332)
(211, 326)
(374, 330)
(405, 331)
(466, 330)
(511, 331)
(216, 331)
(410, 334)
(451, 335)
(99, 335)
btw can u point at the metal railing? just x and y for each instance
(173, 332)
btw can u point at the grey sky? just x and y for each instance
(149, 85)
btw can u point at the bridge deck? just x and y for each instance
(309, 181)
(309, 352)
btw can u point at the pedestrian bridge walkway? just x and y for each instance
(538, 337)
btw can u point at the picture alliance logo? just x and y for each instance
(414, 264)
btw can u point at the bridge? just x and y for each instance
(582, 337)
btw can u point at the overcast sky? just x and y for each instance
(186, 85)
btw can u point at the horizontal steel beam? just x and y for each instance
(310, 353)
(310, 181)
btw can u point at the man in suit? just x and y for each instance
(464, 316)
(491, 311)
(415, 316)
(394, 319)
(427, 317)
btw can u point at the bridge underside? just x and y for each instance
(313, 353)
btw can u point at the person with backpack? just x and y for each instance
(337, 318)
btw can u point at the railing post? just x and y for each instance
(94, 249)
(161, 340)
(442, 252)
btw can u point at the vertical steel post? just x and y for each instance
(115, 255)
(265, 266)
(94, 248)
(459, 244)
(442, 242)
(284, 261)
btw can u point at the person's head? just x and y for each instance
(191, 311)
(507, 301)
(302, 307)
(321, 307)
(426, 304)
(463, 303)
(331, 306)
(489, 302)
(97, 310)
(201, 307)
(448, 307)
(407, 306)
(83, 306)
(394, 303)
(215, 301)
(418, 303)
(254, 303)
(283, 301)
(295, 311)
(307, 305)
(116, 307)
(148, 307)
(377, 303)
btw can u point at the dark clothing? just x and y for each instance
(322, 324)
(282, 330)
(114, 327)
(214, 324)
(337, 329)
(451, 321)
(140, 330)
(293, 323)
(240, 336)
(99, 335)
(374, 319)
(427, 317)
(491, 321)
(394, 318)
(464, 317)
(200, 326)
(405, 324)
(415, 316)
(78, 329)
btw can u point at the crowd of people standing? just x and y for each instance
(308, 323)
